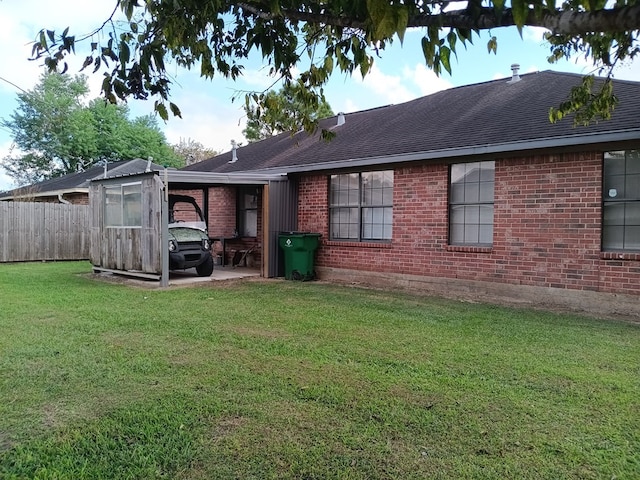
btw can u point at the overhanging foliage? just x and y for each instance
(217, 36)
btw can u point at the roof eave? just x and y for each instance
(48, 193)
(471, 151)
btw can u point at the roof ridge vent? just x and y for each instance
(341, 119)
(515, 67)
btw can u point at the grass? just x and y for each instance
(304, 380)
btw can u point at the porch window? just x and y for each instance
(361, 206)
(471, 187)
(248, 212)
(621, 201)
(123, 205)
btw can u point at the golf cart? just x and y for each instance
(189, 244)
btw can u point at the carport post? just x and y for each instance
(164, 244)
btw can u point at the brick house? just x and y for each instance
(471, 189)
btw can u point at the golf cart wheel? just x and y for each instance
(205, 268)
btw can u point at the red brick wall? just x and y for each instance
(187, 214)
(222, 221)
(547, 220)
(222, 211)
(74, 198)
(77, 198)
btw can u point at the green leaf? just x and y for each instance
(328, 64)
(35, 49)
(428, 50)
(402, 13)
(274, 6)
(520, 10)
(452, 39)
(492, 45)
(445, 54)
(162, 111)
(124, 53)
(43, 40)
(87, 61)
(175, 110)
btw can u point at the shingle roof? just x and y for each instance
(485, 114)
(81, 180)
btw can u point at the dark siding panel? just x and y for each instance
(283, 217)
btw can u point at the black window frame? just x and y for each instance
(360, 207)
(621, 199)
(464, 203)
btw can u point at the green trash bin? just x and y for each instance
(299, 249)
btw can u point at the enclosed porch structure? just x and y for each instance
(244, 215)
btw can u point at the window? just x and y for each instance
(248, 212)
(621, 201)
(471, 204)
(123, 205)
(361, 206)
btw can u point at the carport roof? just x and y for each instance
(202, 178)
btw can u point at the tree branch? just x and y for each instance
(558, 22)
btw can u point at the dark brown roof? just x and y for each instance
(492, 114)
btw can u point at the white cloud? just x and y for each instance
(258, 79)
(206, 119)
(22, 20)
(628, 71)
(426, 81)
(387, 88)
(349, 106)
(534, 34)
(379, 88)
(6, 183)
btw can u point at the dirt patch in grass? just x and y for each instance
(226, 426)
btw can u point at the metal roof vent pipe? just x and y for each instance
(515, 77)
(341, 119)
(234, 155)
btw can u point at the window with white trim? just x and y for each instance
(123, 205)
(361, 206)
(471, 191)
(621, 201)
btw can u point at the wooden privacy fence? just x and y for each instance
(31, 231)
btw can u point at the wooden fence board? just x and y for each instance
(32, 231)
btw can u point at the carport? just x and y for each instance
(130, 217)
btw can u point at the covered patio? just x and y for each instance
(244, 215)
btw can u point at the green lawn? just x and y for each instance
(274, 379)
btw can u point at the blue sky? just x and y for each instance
(209, 115)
